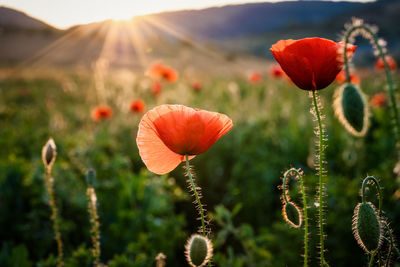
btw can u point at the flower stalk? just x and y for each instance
(321, 147)
(197, 194)
(49, 153)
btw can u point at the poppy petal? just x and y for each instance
(157, 157)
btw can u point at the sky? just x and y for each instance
(65, 13)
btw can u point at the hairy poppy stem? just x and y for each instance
(378, 187)
(200, 207)
(49, 181)
(94, 220)
(391, 244)
(303, 192)
(320, 182)
(366, 29)
(203, 226)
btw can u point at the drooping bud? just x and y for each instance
(367, 227)
(198, 250)
(351, 109)
(49, 153)
(90, 177)
(292, 214)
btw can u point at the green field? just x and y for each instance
(142, 214)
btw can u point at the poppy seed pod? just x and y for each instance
(367, 228)
(198, 250)
(49, 154)
(351, 109)
(292, 214)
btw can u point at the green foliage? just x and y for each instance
(142, 214)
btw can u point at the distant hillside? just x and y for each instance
(251, 19)
(226, 32)
(13, 20)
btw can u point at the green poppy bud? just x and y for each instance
(367, 227)
(198, 250)
(49, 154)
(351, 109)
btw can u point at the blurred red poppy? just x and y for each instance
(160, 71)
(255, 77)
(311, 63)
(155, 69)
(156, 88)
(169, 132)
(197, 86)
(101, 113)
(276, 71)
(379, 100)
(341, 78)
(379, 65)
(169, 74)
(137, 106)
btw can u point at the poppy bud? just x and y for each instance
(198, 250)
(367, 228)
(49, 154)
(90, 177)
(351, 109)
(292, 214)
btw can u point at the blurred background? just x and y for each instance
(60, 61)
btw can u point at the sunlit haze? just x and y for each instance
(63, 14)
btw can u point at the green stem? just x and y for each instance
(371, 261)
(203, 225)
(320, 182)
(303, 192)
(391, 244)
(389, 78)
(50, 190)
(201, 210)
(94, 220)
(378, 188)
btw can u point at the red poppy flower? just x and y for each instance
(156, 88)
(311, 63)
(169, 74)
(137, 106)
(379, 65)
(276, 71)
(155, 69)
(101, 113)
(160, 71)
(379, 100)
(197, 86)
(341, 77)
(255, 77)
(169, 132)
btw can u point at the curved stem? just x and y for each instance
(320, 174)
(389, 78)
(303, 192)
(203, 226)
(391, 244)
(378, 188)
(56, 227)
